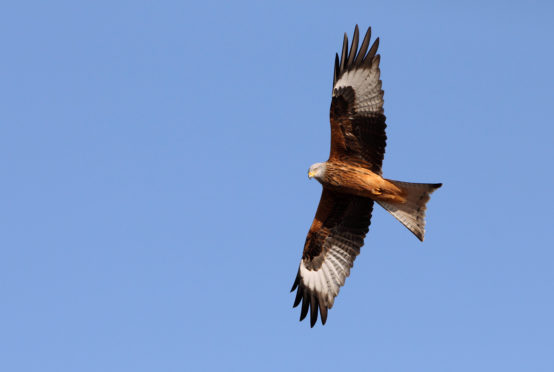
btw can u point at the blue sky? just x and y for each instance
(155, 199)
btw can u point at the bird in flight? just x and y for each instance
(352, 182)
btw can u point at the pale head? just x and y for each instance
(317, 171)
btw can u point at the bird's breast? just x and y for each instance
(358, 181)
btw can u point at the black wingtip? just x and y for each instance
(344, 54)
(298, 298)
(353, 47)
(363, 47)
(372, 52)
(305, 306)
(323, 313)
(296, 281)
(336, 70)
(314, 306)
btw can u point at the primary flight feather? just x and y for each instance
(352, 182)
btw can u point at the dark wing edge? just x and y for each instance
(332, 244)
(357, 115)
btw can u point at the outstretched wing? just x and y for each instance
(333, 242)
(357, 119)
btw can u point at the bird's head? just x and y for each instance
(317, 171)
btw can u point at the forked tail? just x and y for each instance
(412, 213)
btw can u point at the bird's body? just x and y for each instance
(355, 180)
(352, 182)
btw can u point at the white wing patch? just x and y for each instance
(326, 281)
(367, 87)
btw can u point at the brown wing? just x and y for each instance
(333, 242)
(357, 119)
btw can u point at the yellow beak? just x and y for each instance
(310, 174)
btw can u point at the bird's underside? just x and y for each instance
(352, 182)
(355, 180)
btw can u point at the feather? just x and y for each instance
(363, 48)
(344, 55)
(296, 281)
(298, 297)
(337, 69)
(369, 59)
(323, 313)
(305, 305)
(353, 47)
(313, 310)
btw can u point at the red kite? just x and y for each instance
(352, 181)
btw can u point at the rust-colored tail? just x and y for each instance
(412, 213)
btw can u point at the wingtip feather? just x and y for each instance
(337, 69)
(298, 298)
(296, 281)
(353, 47)
(313, 310)
(372, 52)
(323, 313)
(344, 54)
(305, 305)
(363, 48)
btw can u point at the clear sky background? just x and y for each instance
(155, 199)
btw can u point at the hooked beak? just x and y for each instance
(310, 174)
